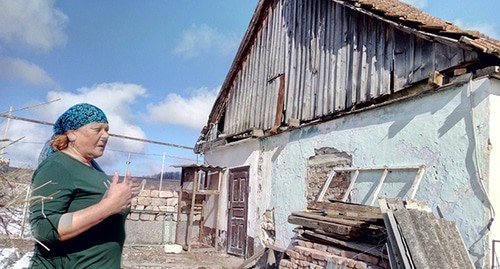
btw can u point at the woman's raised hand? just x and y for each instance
(120, 193)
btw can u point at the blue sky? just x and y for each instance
(154, 67)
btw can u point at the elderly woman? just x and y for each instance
(78, 215)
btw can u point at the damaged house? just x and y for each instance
(397, 101)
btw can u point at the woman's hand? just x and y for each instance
(119, 195)
(117, 198)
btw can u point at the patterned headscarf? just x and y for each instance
(78, 116)
(74, 118)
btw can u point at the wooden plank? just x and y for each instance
(269, 90)
(341, 77)
(216, 213)
(416, 182)
(329, 227)
(351, 185)
(334, 57)
(380, 68)
(191, 211)
(292, 60)
(355, 63)
(262, 59)
(364, 65)
(326, 185)
(379, 186)
(388, 63)
(395, 241)
(351, 53)
(345, 207)
(370, 228)
(250, 91)
(329, 57)
(301, 60)
(352, 216)
(254, 257)
(324, 58)
(306, 88)
(279, 105)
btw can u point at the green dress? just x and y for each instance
(73, 186)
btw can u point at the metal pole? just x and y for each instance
(162, 170)
(128, 163)
(25, 210)
(6, 129)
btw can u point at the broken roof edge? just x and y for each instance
(413, 90)
(201, 166)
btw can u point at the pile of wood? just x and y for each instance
(337, 235)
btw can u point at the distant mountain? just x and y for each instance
(167, 176)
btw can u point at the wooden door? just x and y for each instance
(237, 211)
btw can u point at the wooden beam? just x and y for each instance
(279, 105)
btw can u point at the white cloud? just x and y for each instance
(32, 23)
(115, 99)
(19, 69)
(191, 112)
(416, 3)
(199, 40)
(25, 151)
(488, 29)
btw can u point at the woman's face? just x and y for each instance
(91, 139)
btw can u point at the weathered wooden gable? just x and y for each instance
(322, 58)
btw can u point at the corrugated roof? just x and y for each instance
(417, 239)
(200, 166)
(394, 11)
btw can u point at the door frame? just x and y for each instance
(238, 171)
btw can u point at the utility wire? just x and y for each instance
(152, 154)
(114, 135)
(37, 105)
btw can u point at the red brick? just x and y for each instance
(305, 243)
(292, 254)
(334, 250)
(320, 247)
(286, 263)
(367, 258)
(361, 265)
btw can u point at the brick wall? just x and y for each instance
(319, 166)
(155, 204)
(152, 218)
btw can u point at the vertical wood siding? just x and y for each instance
(333, 58)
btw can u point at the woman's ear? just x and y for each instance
(71, 137)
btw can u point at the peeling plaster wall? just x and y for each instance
(494, 149)
(437, 130)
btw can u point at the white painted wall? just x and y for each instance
(437, 130)
(242, 153)
(494, 171)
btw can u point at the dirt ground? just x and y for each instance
(156, 258)
(151, 257)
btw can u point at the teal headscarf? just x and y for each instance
(77, 116)
(74, 118)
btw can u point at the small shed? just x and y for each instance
(197, 222)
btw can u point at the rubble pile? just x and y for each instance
(333, 234)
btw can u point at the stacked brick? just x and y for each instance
(151, 205)
(337, 235)
(307, 254)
